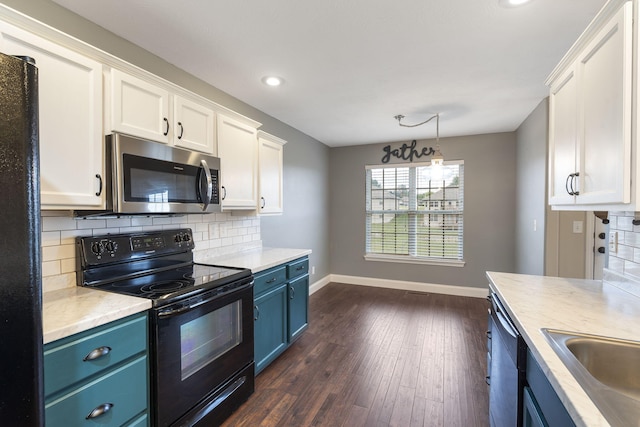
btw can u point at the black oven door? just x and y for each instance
(198, 346)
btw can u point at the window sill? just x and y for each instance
(413, 260)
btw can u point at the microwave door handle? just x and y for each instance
(207, 172)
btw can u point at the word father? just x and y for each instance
(406, 152)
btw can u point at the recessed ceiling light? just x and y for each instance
(513, 3)
(272, 80)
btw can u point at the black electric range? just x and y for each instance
(154, 265)
(200, 324)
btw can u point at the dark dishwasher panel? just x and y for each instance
(506, 369)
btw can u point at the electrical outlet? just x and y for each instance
(613, 242)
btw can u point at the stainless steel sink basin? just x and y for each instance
(608, 369)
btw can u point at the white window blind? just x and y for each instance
(415, 211)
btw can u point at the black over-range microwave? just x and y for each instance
(145, 177)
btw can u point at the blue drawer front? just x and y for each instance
(268, 279)
(545, 396)
(297, 268)
(63, 364)
(125, 388)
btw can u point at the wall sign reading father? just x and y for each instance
(406, 152)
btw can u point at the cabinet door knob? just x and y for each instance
(97, 353)
(601, 249)
(99, 410)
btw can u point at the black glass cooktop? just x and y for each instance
(166, 286)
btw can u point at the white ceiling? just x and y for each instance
(350, 66)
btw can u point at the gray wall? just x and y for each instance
(531, 167)
(305, 159)
(489, 220)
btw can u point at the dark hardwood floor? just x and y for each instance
(378, 357)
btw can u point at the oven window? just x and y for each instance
(206, 338)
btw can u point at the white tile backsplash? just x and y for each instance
(214, 235)
(626, 261)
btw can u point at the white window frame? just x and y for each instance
(412, 257)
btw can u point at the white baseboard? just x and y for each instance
(464, 291)
(316, 286)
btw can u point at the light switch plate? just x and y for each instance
(577, 227)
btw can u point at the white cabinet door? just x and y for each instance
(270, 173)
(70, 120)
(563, 133)
(238, 152)
(194, 125)
(139, 108)
(605, 72)
(590, 107)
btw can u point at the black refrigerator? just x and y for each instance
(21, 357)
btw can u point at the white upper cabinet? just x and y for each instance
(270, 173)
(70, 120)
(238, 152)
(142, 108)
(195, 125)
(590, 120)
(563, 138)
(139, 107)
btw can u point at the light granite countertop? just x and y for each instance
(71, 310)
(257, 259)
(574, 305)
(75, 309)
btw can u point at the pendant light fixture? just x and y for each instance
(437, 159)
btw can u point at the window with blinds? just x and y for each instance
(415, 211)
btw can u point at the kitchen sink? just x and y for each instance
(608, 369)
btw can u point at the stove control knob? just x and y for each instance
(186, 238)
(97, 248)
(178, 238)
(111, 246)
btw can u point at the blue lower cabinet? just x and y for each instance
(281, 310)
(531, 414)
(99, 377)
(542, 406)
(298, 306)
(270, 326)
(110, 400)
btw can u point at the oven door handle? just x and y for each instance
(207, 172)
(168, 312)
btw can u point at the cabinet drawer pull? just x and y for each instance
(97, 353)
(166, 130)
(100, 182)
(566, 184)
(99, 410)
(272, 280)
(300, 268)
